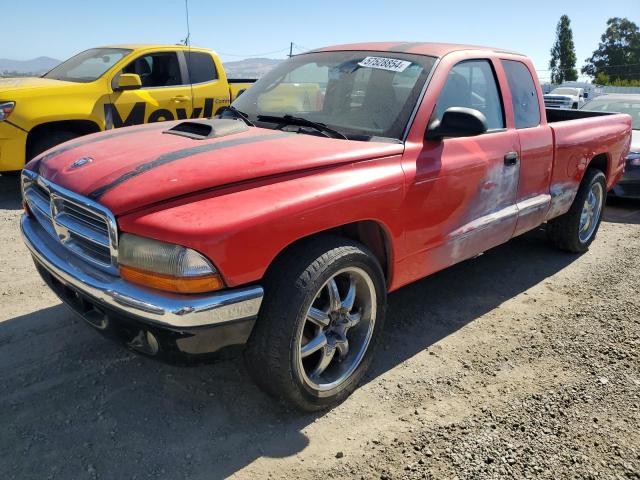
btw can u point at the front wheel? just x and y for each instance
(319, 324)
(575, 230)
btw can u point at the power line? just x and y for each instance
(253, 55)
(289, 49)
(608, 66)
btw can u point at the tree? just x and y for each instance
(563, 53)
(618, 55)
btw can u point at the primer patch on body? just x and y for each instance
(384, 63)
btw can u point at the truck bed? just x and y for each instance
(578, 136)
(562, 115)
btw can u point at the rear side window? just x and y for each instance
(472, 84)
(201, 67)
(524, 95)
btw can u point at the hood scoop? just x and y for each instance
(208, 128)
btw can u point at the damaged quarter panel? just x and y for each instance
(576, 145)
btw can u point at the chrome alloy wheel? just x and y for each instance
(337, 329)
(591, 211)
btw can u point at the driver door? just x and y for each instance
(165, 90)
(466, 187)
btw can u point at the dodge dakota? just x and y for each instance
(283, 232)
(109, 87)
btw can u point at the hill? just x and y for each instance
(250, 67)
(36, 66)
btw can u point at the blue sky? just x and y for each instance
(249, 28)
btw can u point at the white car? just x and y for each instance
(565, 97)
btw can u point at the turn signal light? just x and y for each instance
(168, 283)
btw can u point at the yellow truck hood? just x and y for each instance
(29, 83)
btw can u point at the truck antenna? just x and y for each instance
(187, 40)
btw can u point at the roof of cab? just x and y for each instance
(148, 46)
(420, 48)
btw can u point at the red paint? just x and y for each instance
(437, 202)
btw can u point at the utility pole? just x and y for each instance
(291, 50)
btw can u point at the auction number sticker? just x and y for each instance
(382, 63)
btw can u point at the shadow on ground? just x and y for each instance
(622, 210)
(72, 403)
(10, 192)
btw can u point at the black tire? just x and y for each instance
(563, 231)
(272, 354)
(45, 142)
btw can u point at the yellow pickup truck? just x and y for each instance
(109, 87)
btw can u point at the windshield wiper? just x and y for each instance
(238, 114)
(303, 122)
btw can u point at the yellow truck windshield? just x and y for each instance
(87, 66)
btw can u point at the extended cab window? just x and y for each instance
(156, 69)
(524, 96)
(472, 84)
(201, 67)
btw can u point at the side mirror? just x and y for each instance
(128, 81)
(457, 122)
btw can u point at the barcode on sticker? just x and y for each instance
(383, 63)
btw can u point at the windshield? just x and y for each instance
(565, 91)
(362, 95)
(88, 65)
(618, 105)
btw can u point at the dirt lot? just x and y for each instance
(520, 363)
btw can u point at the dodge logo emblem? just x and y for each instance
(81, 162)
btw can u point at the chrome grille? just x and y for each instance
(85, 227)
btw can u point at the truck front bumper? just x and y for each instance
(12, 147)
(150, 321)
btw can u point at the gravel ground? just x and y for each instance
(520, 363)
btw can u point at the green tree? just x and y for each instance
(563, 53)
(618, 54)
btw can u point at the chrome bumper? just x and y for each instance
(162, 308)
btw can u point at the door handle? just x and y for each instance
(511, 159)
(180, 99)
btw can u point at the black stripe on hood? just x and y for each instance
(180, 154)
(87, 141)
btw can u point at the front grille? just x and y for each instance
(556, 102)
(84, 227)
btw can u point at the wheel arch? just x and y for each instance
(601, 162)
(371, 233)
(81, 127)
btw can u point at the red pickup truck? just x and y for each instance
(342, 175)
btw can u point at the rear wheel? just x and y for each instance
(319, 324)
(575, 230)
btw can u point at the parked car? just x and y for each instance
(286, 232)
(565, 97)
(629, 184)
(109, 87)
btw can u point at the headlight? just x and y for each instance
(5, 109)
(165, 266)
(633, 159)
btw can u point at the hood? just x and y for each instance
(29, 83)
(134, 167)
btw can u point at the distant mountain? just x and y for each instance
(36, 66)
(250, 68)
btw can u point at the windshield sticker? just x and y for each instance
(382, 63)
